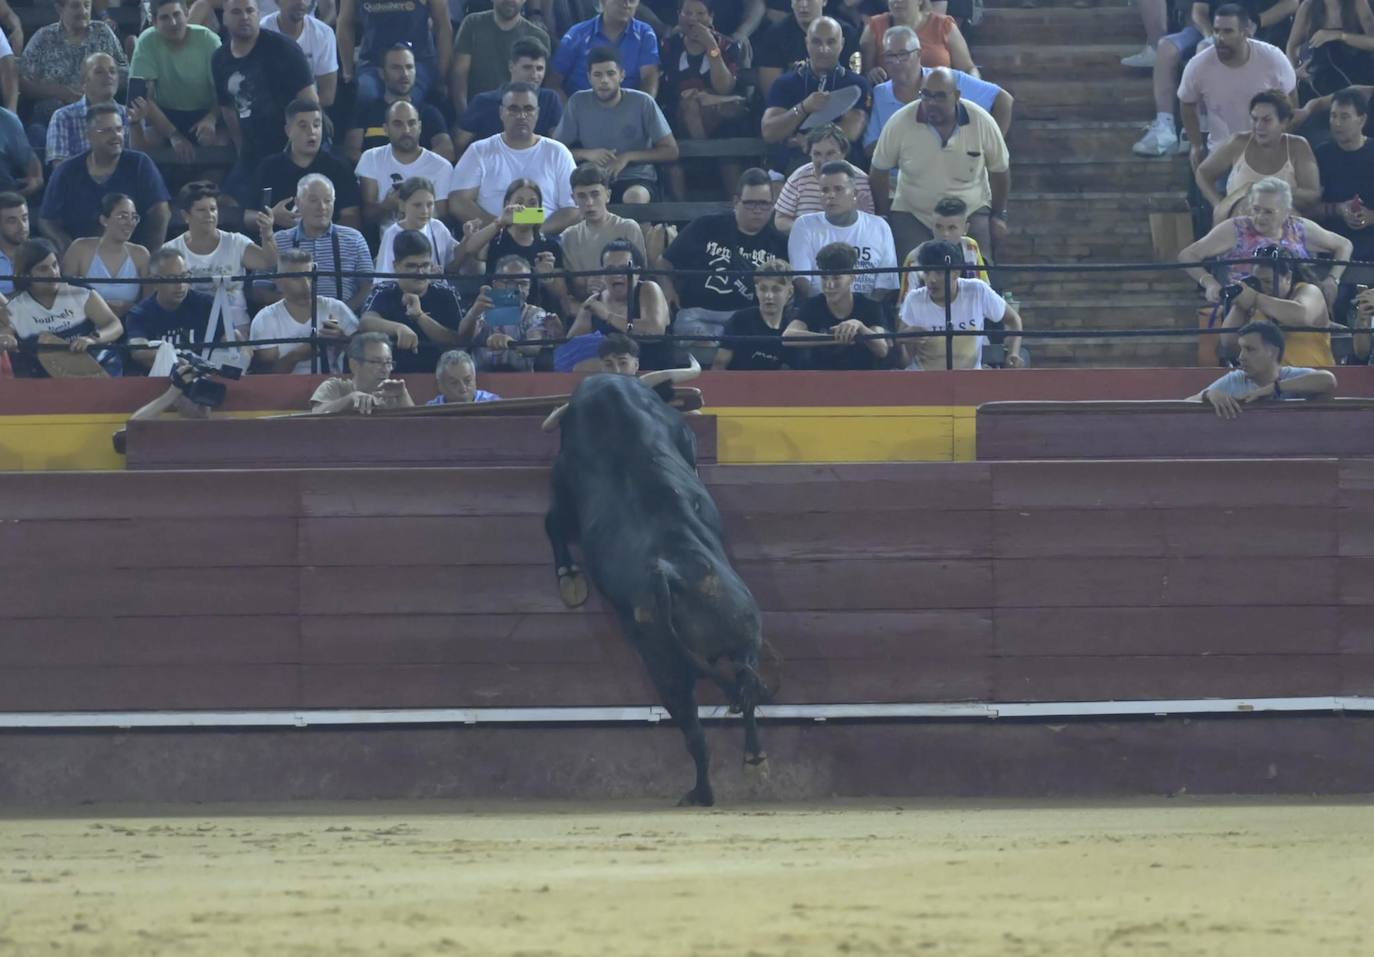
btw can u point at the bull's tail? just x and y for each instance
(663, 599)
(741, 681)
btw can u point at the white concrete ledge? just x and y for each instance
(654, 714)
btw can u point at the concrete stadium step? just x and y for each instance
(1008, 63)
(1173, 286)
(1126, 7)
(1108, 354)
(1057, 25)
(1122, 99)
(1133, 174)
(1075, 137)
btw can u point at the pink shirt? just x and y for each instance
(1224, 92)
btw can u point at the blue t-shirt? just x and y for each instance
(15, 150)
(885, 102)
(1236, 383)
(482, 395)
(796, 85)
(73, 199)
(638, 48)
(482, 118)
(149, 320)
(6, 269)
(439, 302)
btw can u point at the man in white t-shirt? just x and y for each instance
(972, 303)
(1223, 80)
(843, 222)
(289, 318)
(316, 40)
(382, 169)
(489, 166)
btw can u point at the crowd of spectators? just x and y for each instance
(475, 154)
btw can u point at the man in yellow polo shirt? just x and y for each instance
(941, 146)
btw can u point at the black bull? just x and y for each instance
(626, 489)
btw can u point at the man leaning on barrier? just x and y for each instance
(369, 387)
(1261, 376)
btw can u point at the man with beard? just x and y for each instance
(1226, 77)
(843, 222)
(485, 47)
(14, 229)
(614, 27)
(383, 169)
(368, 129)
(305, 154)
(784, 43)
(257, 73)
(622, 131)
(489, 166)
(316, 40)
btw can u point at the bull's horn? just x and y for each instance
(551, 423)
(654, 379)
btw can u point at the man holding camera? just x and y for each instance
(370, 387)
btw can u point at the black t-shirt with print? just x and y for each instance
(755, 355)
(714, 242)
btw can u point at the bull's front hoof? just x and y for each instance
(697, 798)
(572, 587)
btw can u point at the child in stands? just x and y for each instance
(951, 226)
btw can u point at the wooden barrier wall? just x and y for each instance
(763, 417)
(1002, 581)
(1173, 430)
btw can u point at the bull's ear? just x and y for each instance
(551, 423)
(654, 379)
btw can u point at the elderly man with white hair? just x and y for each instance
(456, 377)
(337, 249)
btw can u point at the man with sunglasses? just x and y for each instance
(728, 246)
(943, 146)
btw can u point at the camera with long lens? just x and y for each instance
(195, 376)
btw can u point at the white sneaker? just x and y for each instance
(1144, 60)
(1184, 147)
(1159, 140)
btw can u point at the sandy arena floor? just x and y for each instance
(1179, 877)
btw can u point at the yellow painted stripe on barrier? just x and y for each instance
(746, 435)
(66, 443)
(767, 435)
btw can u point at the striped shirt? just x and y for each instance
(802, 193)
(67, 132)
(353, 252)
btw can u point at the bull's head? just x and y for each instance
(652, 379)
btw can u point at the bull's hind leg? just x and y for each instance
(560, 524)
(675, 681)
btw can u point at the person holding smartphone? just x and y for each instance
(505, 325)
(370, 387)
